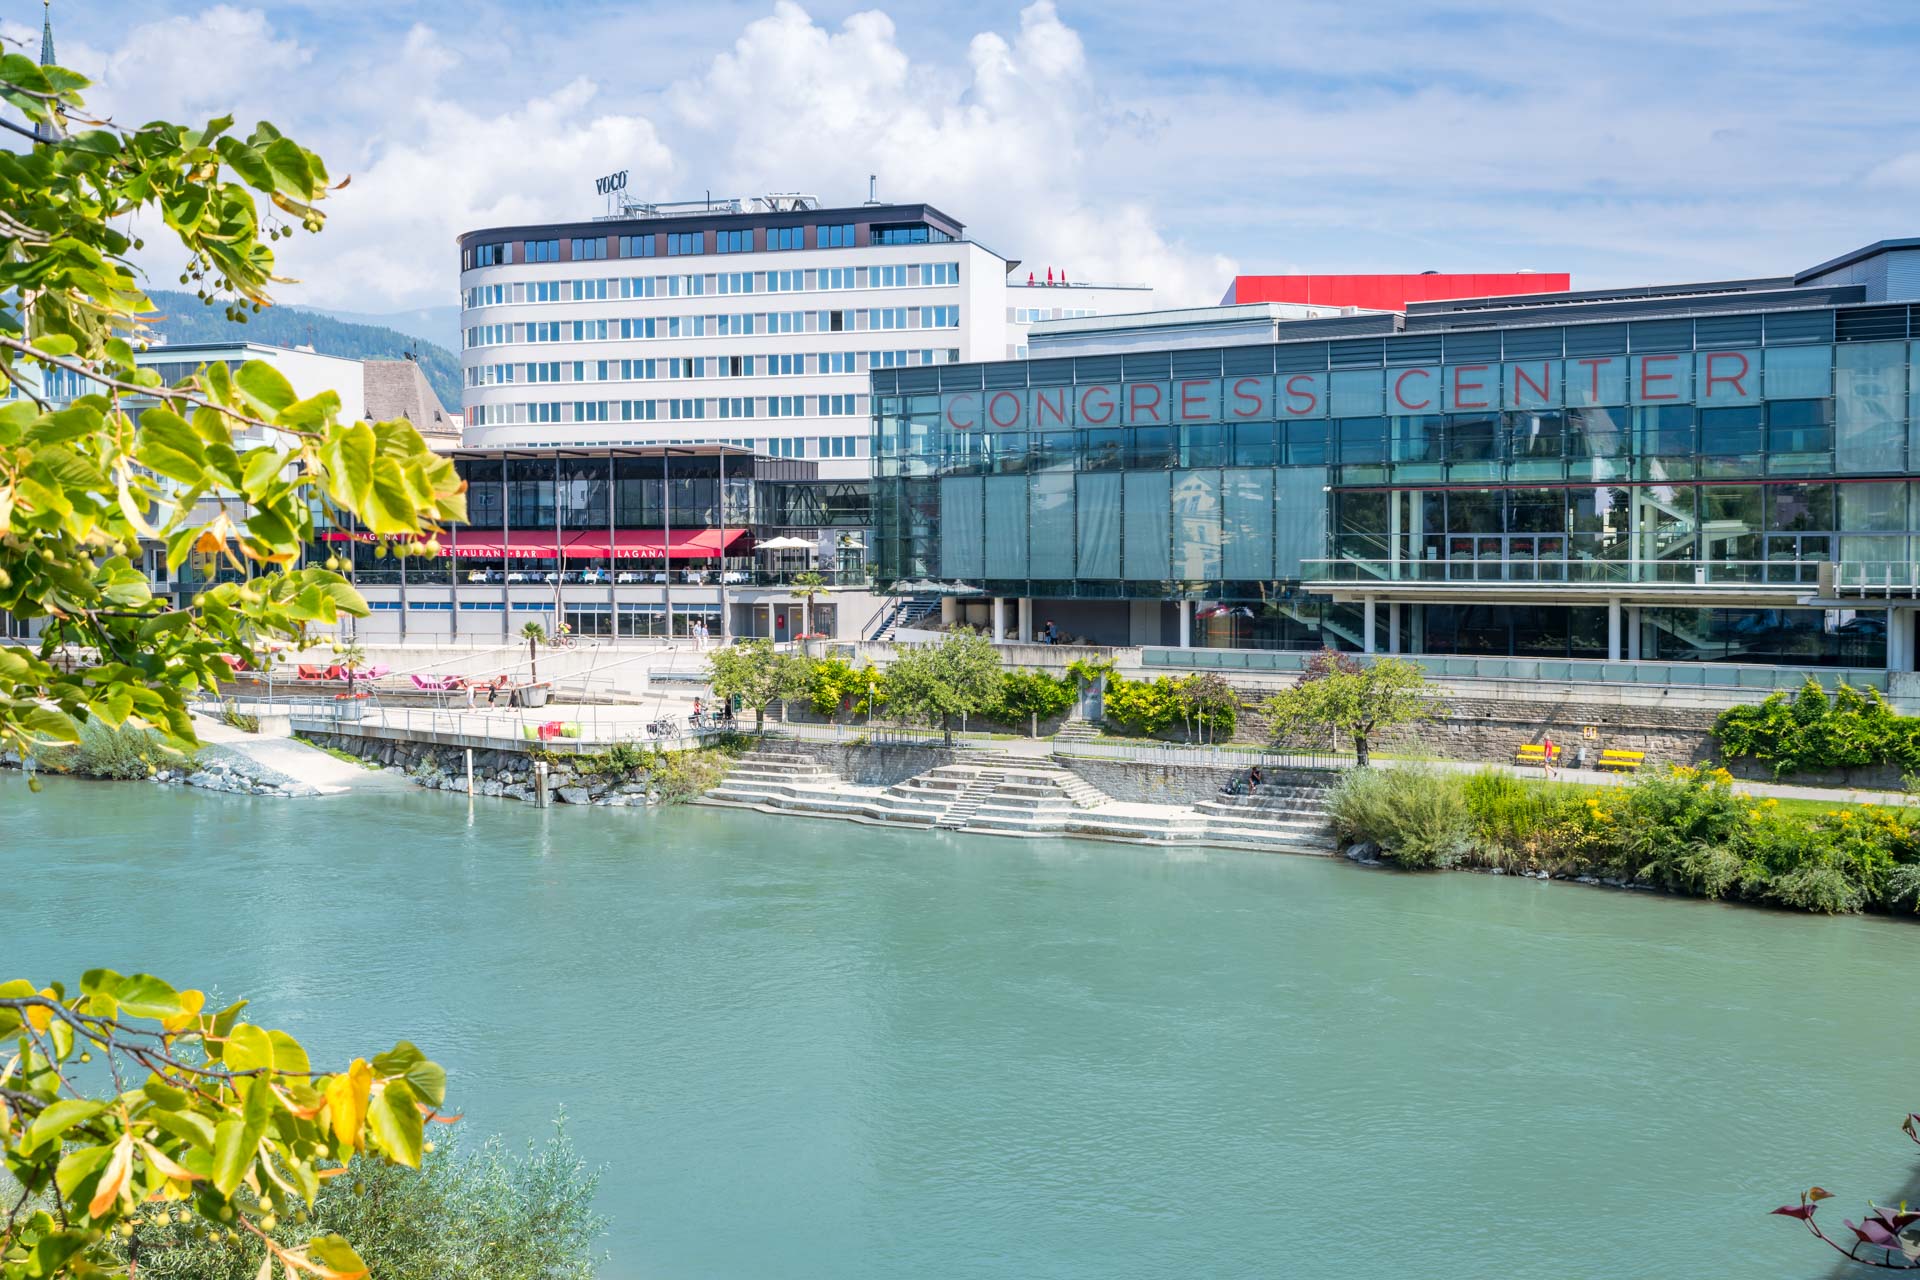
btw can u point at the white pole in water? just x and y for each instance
(540, 783)
(469, 770)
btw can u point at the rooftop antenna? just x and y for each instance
(872, 178)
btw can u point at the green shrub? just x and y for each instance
(1810, 731)
(127, 753)
(489, 1215)
(1152, 707)
(1025, 695)
(1416, 815)
(1817, 887)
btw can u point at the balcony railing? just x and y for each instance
(1349, 571)
(1686, 675)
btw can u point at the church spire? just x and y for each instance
(46, 130)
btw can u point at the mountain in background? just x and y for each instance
(438, 325)
(185, 319)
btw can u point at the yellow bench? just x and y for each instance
(1536, 753)
(1624, 761)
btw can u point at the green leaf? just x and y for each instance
(164, 1094)
(49, 724)
(188, 1126)
(248, 1047)
(335, 1254)
(50, 1256)
(52, 1124)
(56, 344)
(288, 1057)
(232, 1153)
(77, 1166)
(265, 387)
(392, 508)
(167, 445)
(395, 1121)
(145, 996)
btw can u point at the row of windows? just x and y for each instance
(584, 248)
(589, 249)
(641, 410)
(802, 364)
(729, 324)
(906, 275)
(1033, 315)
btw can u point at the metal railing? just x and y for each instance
(1691, 675)
(1225, 756)
(1351, 571)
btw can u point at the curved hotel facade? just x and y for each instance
(1710, 473)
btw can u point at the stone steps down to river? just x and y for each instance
(1002, 797)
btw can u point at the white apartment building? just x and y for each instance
(746, 322)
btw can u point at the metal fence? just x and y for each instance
(1684, 675)
(1220, 757)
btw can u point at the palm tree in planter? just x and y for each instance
(352, 658)
(808, 585)
(534, 634)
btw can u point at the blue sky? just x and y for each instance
(1627, 142)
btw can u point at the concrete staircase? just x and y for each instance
(1077, 731)
(1001, 796)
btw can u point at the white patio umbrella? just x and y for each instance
(783, 543)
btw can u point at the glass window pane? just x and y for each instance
(1796, 373)
(1098, 517)
(1247, 502)
(1196, 527)
(962, 528)
(1144, 542)
(1869, 406)
(1006, 526)
(1052, 525)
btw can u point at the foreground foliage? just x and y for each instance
(218, 1120)
(80, 487)
(1853, 729)
(1684, 830)
(488, 1215)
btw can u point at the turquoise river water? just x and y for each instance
(808, 1049)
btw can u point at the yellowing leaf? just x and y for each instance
(113, 1182)
(347, 1097)
(167, 1165)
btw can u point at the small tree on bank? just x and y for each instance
(959, 676)
(1208, 702)
(757, 674)
(533, 633)
(1354, 700)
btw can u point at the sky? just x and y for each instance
(1630, 142)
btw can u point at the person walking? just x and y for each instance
(1546, 745)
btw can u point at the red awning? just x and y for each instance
(627, 544)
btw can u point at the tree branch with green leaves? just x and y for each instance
(191, 1112)
(83, 485)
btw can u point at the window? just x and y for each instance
(636, 246)
(589, 410)
(837, 362)
(939, 318)
(737, 282)
(887, 318)
(636, 410)
(545, 331)
(679, 409)
(548, 371)
(786, 366)
(682, 243)
(736, 407)
(839, 405)
(907, 233)
(589, 330)
(686, 286)
(837, 237)
(786, 406)
(637, 328)
(543, 413)
(836, 321)
(788, 447)
(736, 325)
(546, 290)
(590, 290)
(786, 322)
(492, 255)
(887, 360)
(687, 367)
(733, 241)
(894, 277)
(543, 251)
(786, 281)
(786, 237)
(487, 295)
(632, 370)
(836, 278)
(940, 273)
(735, 366)
(589, 249)
(487, 335)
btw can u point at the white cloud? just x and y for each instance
(1011, 143)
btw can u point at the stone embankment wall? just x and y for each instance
(1134, 782)
(509, 774)
(214, 769)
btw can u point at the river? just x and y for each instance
(809, 1049)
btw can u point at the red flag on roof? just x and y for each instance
(1029, 277)
(1049, 275)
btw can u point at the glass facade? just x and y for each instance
(1674, 455)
